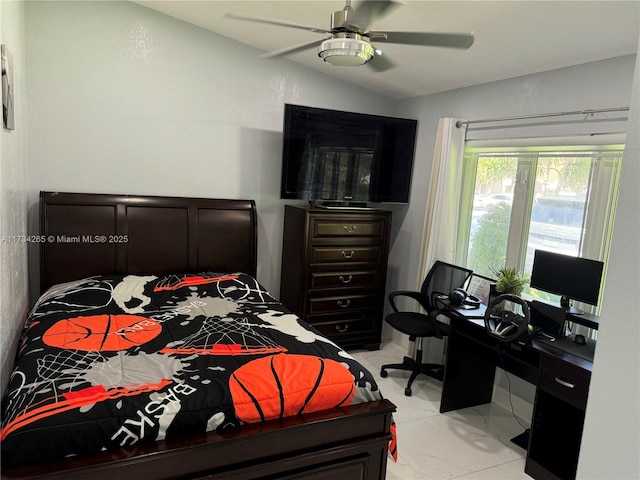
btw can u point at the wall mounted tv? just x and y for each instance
(337, 158)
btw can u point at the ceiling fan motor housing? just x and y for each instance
(339, 20)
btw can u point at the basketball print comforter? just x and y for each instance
(111, 361)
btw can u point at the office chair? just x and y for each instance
(441, 279)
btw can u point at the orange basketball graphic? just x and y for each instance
(285, 384)
(102, 333)
(175, 282)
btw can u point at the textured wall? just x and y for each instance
(611, 438)
(123, 99)
(13, 195)
(601, 84)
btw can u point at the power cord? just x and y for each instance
(509, 390)
(547, 336)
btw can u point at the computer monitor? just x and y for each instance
(573, 278)
(547, 318)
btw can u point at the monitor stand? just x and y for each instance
(565, 303)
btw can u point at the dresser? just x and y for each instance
(334, 265)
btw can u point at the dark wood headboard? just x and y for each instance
(84, 234)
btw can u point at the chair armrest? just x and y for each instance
(405, 293)
(433, 314)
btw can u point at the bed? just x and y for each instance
(155, 353)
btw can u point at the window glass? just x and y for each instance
(558, 211)
(492, 201)
(543, 198)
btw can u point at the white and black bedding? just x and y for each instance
(112, 361)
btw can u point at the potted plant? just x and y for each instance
(509, 280)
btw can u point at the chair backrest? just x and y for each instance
(442, 279)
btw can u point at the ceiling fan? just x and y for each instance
(349, 42)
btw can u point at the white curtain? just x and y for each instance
(443, 203)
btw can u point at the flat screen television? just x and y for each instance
(341, 158)
(573, 278)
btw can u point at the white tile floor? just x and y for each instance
(473, 443)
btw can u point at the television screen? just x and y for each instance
(330, 155)
(573, 278)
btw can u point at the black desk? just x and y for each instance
(561, 379)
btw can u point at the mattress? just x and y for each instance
(112, 361)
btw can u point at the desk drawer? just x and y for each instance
(351, 227)
(565, 381)
(346, 253)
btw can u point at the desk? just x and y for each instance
(561, 379)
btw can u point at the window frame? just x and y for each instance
(602, 195)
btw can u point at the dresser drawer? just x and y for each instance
(340, 254)
(361, 324)
(345, 279)
(565, 381)
(352, 227)
(340, 303)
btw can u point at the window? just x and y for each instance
(518, 200)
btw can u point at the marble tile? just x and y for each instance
(472, 443)
(425, 401)
(508, 471)
(402, 471)
(445, 447)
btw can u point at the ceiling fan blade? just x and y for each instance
(368, 12)
(451, 40)
(380, 63)
(269, 21)
(294, 49)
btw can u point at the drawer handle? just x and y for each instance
(342, 330)
(347, 255)
(342, 304)
(345, 280)
(564, 384)
(351, 229)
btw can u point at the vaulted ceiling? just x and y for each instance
(512, 38)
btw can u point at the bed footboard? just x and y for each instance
(346, 443)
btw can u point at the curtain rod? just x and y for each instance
(542, 115)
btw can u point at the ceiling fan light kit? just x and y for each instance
(349, 43)
(346, 51)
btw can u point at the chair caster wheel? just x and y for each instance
(407, 392)
(383, 373)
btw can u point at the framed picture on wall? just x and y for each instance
(7, 88)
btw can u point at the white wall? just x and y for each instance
(123, 99)
(13, 195)
(126, 100)
(594, 85)
(611, 439)
(611, 435)
(120, 95)
(590, 86)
